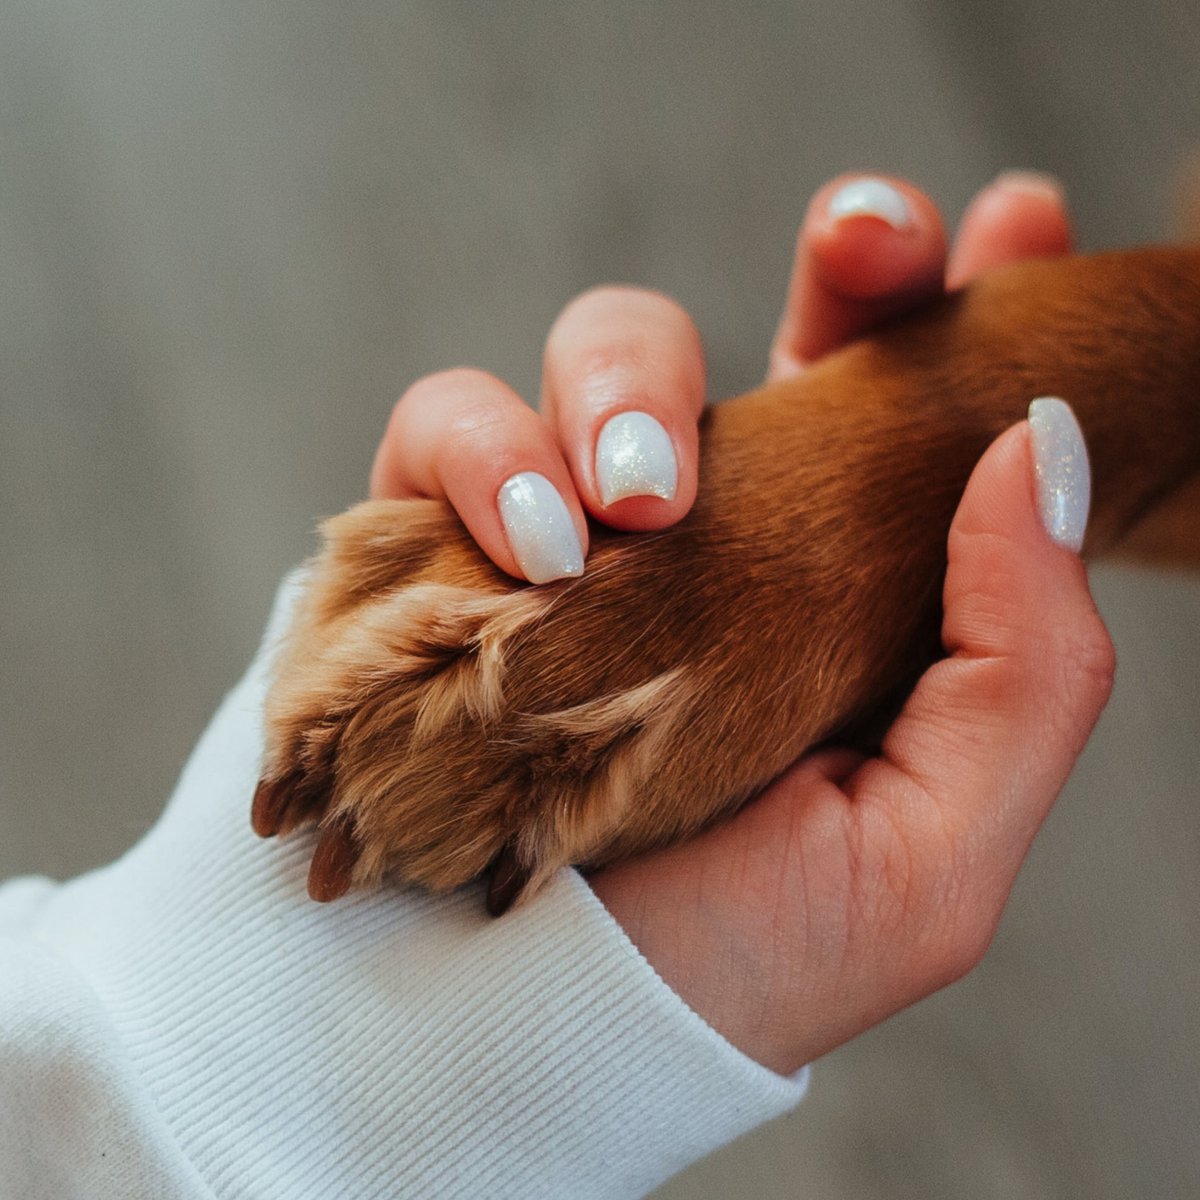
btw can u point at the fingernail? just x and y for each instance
(634, 457)
(539, 528)
(1037, 183)
(871, 197)
(1060, 463)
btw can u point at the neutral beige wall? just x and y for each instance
(231, 234)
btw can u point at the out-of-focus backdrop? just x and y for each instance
(231, 234)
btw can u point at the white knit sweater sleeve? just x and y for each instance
(185, 1023)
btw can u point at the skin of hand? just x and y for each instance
(850, 888)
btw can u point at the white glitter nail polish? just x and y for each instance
(634, 457)
(1064, 477)
(539, 528)
(871, 197)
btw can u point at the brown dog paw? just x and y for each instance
(436, 718)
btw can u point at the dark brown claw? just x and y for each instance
(280, 805)
(333, 863)
(506, 882)
(271, 799)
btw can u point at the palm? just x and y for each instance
(846, 891)
(808, 897)
(849, 888)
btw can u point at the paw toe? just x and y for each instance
(333, 862)
(280, 805)
(507, 880)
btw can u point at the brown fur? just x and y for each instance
(437, 717)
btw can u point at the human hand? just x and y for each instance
(849, 889)
(461, 435)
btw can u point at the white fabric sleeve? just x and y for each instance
(186, 1023)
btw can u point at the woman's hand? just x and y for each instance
(869, 249)
(849, 889)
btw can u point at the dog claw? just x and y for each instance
(280, 805)
(507, 880)
(271, 800)
(332, 868)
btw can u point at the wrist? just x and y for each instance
(711, 968)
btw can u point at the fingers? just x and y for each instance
(623, 386)
(624, 374)
(870, 248)
(465, 436)
(623, 390)
(1020, 215)
(873, 247)
(970, 768)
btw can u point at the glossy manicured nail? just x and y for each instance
(634, 457)
(1032, 183)
(539, 527)
(1060, 463)
(871, 197)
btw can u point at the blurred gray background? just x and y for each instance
(230, 235)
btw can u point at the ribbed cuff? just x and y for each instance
(393, 1043)
(75, 1119)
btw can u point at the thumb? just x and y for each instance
(990, 734)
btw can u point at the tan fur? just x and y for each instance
(433, 713)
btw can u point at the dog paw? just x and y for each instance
(438, 719)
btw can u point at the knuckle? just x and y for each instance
(602, 295)
(953, 912)
(1081, 669)
(614, 297)
(961, 942)
(621, 364)
(458, 414)
(670, 309)
(471, 405)
(1090, 660)
(639, 315)
(440, 386)
(577, 313)
(481, 419)
(620, 344)
(961, 954)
